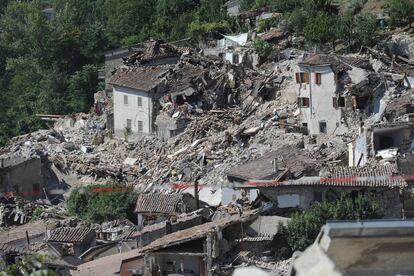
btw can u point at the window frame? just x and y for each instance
(318, 78)
(129, 124)
(139, 102)
(304, 102)
(140, 125)
(125, 99)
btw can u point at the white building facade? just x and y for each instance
(135, 100)
(321, 106)
(132, 112)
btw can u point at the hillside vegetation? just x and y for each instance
(51, 66)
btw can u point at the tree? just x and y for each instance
(81, 88)
(322, 28)
(365, 29)
(400, 11)
(29, 265)
(303, 228)
(99, 203)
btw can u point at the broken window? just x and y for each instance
(318, 77)
(140, 126)
(302, 77)
(322, 127)
(125, 99)
(303, 102)
(139, 101)
(235, 58)
(341, 101)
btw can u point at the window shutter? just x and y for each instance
(306, 75)
(318, 78)
(297, 77)
(300, 102)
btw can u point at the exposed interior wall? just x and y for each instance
(391, 137)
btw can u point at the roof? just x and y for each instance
(369, 228)
(142, 78)
(108, 265)
(158, 203)
(37, 228)
(197, 232)
(70, 234)
(154, 50)
(368, 176)
(184, 78)
(326, 60)
(6, 248)
(381, 176)
(263, 168)
(272, 34)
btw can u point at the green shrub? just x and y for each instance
(99, 203)
(304, 228)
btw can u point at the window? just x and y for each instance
(139, 101)
(322, 127)
(317, 196)
(318, 77)
(338, 102)
(129, 124)
(302, 77)
(341, 101)
(140, 126)
(303, 102)
(235, 59)
(125, 99)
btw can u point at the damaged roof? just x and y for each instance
(197, 232)
(326, 60)
(141, 78)
(368, 176)
(7, 249)
(71, 234)
(154, 50)
(272, 34)
(287, 158)
(158, 203)
(184, 78)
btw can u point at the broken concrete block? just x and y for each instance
(52, 140)
(130, 161)
(252, 130)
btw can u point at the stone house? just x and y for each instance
(381, 183)
(22, 176)
(191, 251)
(231, 48)
(69, 243)
(135, 94)
(156, 207)
(320, 103)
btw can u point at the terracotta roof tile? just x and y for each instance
(158, 203)
(142, 78)
(70, 234)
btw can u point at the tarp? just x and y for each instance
(240, 39)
